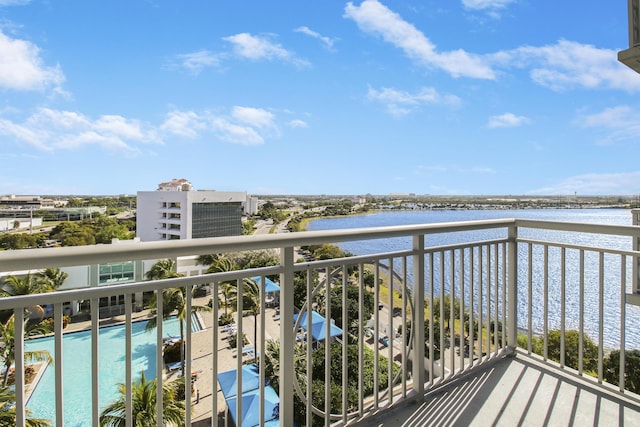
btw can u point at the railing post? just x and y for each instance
(418, 316)
(635, 220)
(287, 373)
(512, 292)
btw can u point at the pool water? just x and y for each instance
(111, 363)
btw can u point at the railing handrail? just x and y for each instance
(100, 254)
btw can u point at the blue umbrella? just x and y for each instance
(269, 285)
(318, 326)
(229, 380)
(250, 416)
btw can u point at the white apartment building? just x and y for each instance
(176, 212)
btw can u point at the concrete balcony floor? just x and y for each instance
(515, 391)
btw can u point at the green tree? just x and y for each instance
(8, 349)
(631, 369)
(353, 306)
(162, 269)
(590, 349)
(173, 299)
(219, 265)
(8, 411)
(52, 278)
(27, 285)
(143, 409)
(250, 304)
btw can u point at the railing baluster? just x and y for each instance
(58, 361)
(497, 324)
(159, 358)
(95, 331)
(581, 317)
(128, 370)
(530, 296)
(308, 344)
(461, 275)
(327, 347)
(18, 372)
(545, 287)
(601, 317)
(361, 334)
(405, 289)
(214, 344)
(623, 320)
(418, 329)
(472, 289)
(376, 336)
(562, 304)
(488, 325)
(452, 312)
(390, 333)
(480, 301)
(345, 340)
(186, 373)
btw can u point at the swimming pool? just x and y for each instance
(111, 364)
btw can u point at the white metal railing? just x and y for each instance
(457, 306)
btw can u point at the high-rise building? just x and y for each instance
(176, 211)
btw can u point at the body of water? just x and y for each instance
(595, 216)
(111, 365)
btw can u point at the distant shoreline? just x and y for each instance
(305, 221)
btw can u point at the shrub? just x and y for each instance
(172, 352)
(225, 319)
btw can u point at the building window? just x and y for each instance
(116, 273)
(216, 219)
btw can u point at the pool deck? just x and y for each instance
(201, 355)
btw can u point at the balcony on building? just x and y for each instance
(470, 360)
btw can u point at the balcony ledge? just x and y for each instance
(631, 58)
(514, 391)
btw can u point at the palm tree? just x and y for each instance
(173, 299)
(163, 269)
(250, 304)
(207, 259)
(8, 411)
(27, 285)
(219, 265)
(143, 394)
(7, 351)
(52, 278)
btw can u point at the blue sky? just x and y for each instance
(327, 97)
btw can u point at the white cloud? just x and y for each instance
(186, 124)
(622, 122)
(255, 117)
(622, 183)
(297, 123)
(49, 130)
(507, 120)
(253, 47)
(400, 103)
(196, 61)
(486, 4)
(235, 133)
(568, 65)
(326, 41)
(242, 125)
(21, 67)
(375, 18)
(13, 2)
